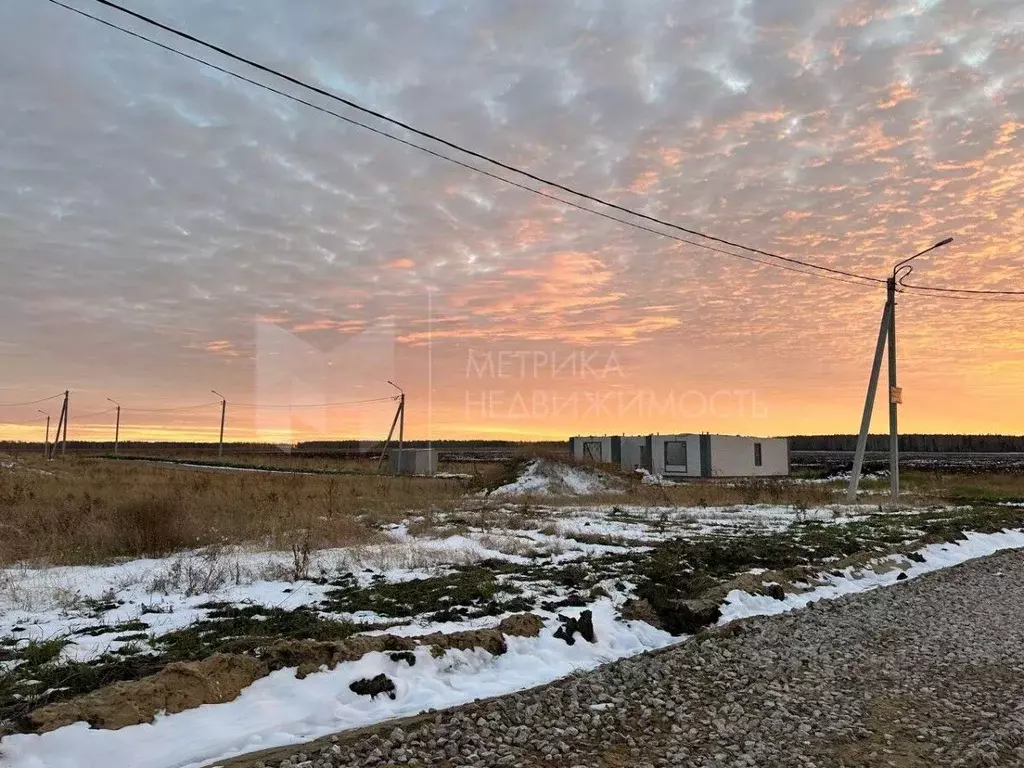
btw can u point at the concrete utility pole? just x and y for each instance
(895, 396)
(65, 415)
(117, 425)
(61, 420)
(401, 425)
(886, 331)
(223, 414)
(869, 405)
(46, 441)
(387, 441)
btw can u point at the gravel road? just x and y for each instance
(926, 673)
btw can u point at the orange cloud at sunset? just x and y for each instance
(168, 233)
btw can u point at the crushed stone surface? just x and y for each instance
(926, 673)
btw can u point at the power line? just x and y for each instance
(445, 142)
(257, 406)
(31, 402)
(30, 423)
(969, 291)
(169, 410)
(80, 417)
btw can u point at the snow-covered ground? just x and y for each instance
(526, 547)
(281, 709)
(166, 594)
(543, 477)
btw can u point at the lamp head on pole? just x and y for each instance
(939, 244)
(218, 394)
(905, 264)
(396, 386)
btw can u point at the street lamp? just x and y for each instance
(46, 441)
(887, 329)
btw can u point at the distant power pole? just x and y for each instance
(400, 421)
(886, 333)
(117, 425)
(62, 424)
(223, 414)
(46, 441)
(67, 417)
(401, 425)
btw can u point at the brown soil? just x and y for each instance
(221, 678)
(640, 610)
(175, 688)
(522, 625)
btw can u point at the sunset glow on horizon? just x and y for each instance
(166, 230)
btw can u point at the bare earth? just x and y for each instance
(927, 673)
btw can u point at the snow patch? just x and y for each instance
(280, 709)
(543, 477)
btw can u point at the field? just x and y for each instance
(133, 592)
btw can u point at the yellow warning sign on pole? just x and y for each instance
(896, 395)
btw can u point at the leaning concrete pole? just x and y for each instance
(869, 405)
(894, 432)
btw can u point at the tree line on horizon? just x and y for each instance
(917, 443)
(921, 443)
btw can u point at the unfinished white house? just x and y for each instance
(688, 455)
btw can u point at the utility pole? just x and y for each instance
(401, 425)
(46, 441)
(66, 416)
(387, 442)
(895, 396)
(117, 425)
(223, 413)
(869, 405)
(886, 337)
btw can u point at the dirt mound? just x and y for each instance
(491, 640)
(175, 688)
(307, 656)
(522, 625)
(221, 678)
(640, 610)
(545, 477)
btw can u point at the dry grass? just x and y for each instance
(710, 493)
(87, 511)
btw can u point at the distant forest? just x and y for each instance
(909, 443)
(312, 448)
(912, 443)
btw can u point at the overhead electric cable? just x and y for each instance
(445, 142)
(261, 406)
(31, 402)
(969, 291)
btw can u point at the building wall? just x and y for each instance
(577, 444)
(733, 456)
(631, 452)
(730, 455)
(658, 455)
(414, 461)
(775, 456)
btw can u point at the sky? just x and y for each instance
(167, 230)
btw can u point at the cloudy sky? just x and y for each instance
(166, 230)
